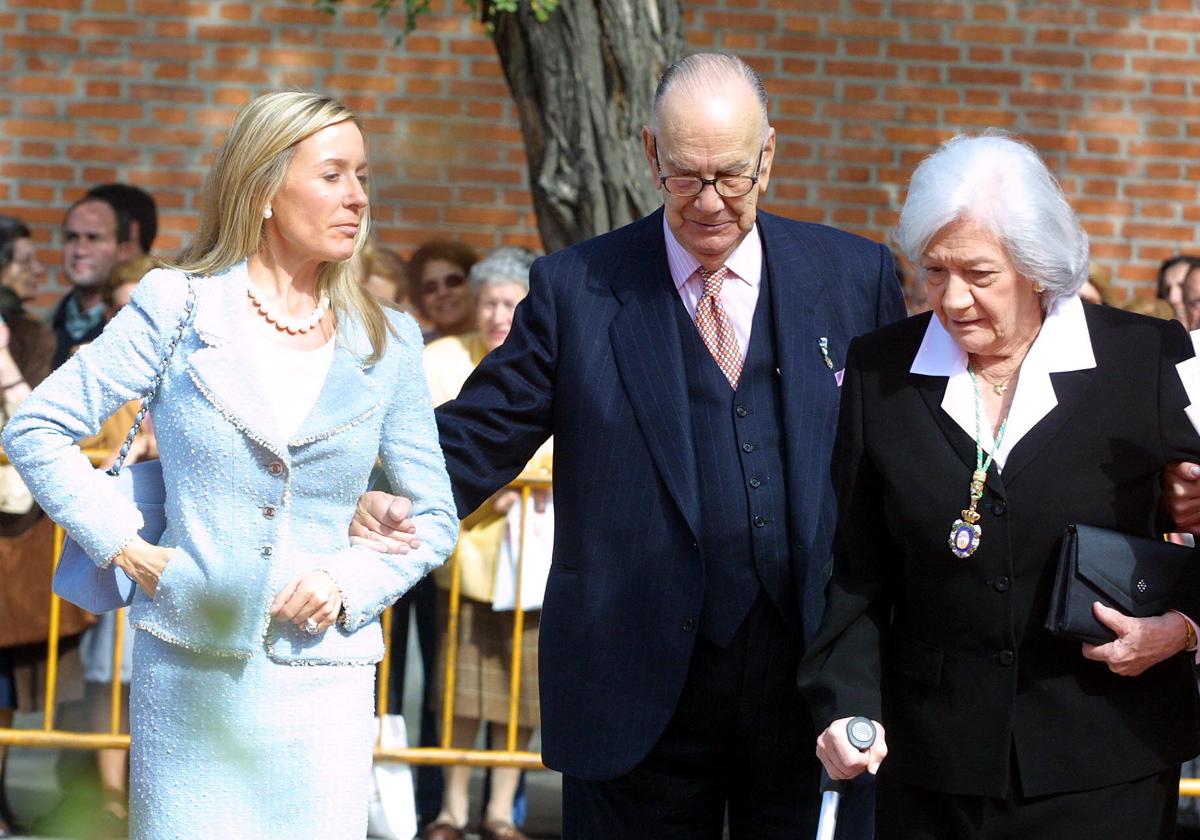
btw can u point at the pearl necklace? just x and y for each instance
(292, 326)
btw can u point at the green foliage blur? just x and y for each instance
(413, 9)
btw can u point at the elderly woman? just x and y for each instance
(989, 726)
(483, 670)
(280, 383)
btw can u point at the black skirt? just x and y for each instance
(1142, 809)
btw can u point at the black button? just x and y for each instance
(1001, 584)
(741, 411)
(754, 482)
(687, 625)
(1006, 657)
(269, 511)
(760, 521)
(999, 508)
(266, 551)
(747, 447)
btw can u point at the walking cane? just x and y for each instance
(861, 733)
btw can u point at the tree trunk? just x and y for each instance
(583, 82)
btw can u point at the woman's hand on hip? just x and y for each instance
(842, 759)
(1140, 643)
(313, 595)
(144, 563)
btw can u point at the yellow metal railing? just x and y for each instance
(48, 737)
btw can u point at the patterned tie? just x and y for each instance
(715, 327)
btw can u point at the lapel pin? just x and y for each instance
(823, 343)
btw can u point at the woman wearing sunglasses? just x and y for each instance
(439, 289)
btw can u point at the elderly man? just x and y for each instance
(688, 367)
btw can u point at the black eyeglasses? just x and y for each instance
(450, 281)
(726, 186)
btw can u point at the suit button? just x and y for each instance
(747, 447)
(1006, 657)
(755, 483)
(999, 508)
(741, 411)
(266, 551)
(1001, 584)
(760, 521)
(269, 511)
(688, 625)
(275, 468)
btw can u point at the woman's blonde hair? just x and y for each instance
(248, 171)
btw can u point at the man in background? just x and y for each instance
(110, 223)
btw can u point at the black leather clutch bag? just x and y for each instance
(1135, 575)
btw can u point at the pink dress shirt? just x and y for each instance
(739, 292)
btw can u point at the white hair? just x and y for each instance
(701, 74)
(999, 182)
(504, 265)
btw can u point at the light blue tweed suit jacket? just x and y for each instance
(247, 511)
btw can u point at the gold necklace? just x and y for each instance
(998, 388)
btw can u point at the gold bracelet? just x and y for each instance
(1189, 642)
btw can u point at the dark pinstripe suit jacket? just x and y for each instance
(594, 358)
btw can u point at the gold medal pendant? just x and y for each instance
(965, 534)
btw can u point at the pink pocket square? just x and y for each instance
(838, 377)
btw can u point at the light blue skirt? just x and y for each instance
(247, 748)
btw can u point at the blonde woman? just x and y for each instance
(286, 384)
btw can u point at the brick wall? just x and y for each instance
(141, 90)
(1107, 90)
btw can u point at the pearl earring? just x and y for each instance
(268, 213)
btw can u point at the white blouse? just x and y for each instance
(1063, 344)
(291, 379)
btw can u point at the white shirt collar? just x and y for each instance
(745, 262)
(1063, 344)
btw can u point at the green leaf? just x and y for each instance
(413, 9)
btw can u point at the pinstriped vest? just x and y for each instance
(741, 471)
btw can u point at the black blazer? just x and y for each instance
(951, 655)
(594, 358)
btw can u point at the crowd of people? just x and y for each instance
(758, 462)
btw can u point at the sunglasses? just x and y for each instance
(450, 281)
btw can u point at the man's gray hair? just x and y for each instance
(504, 265)
(1000, 183)
(699, 74)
